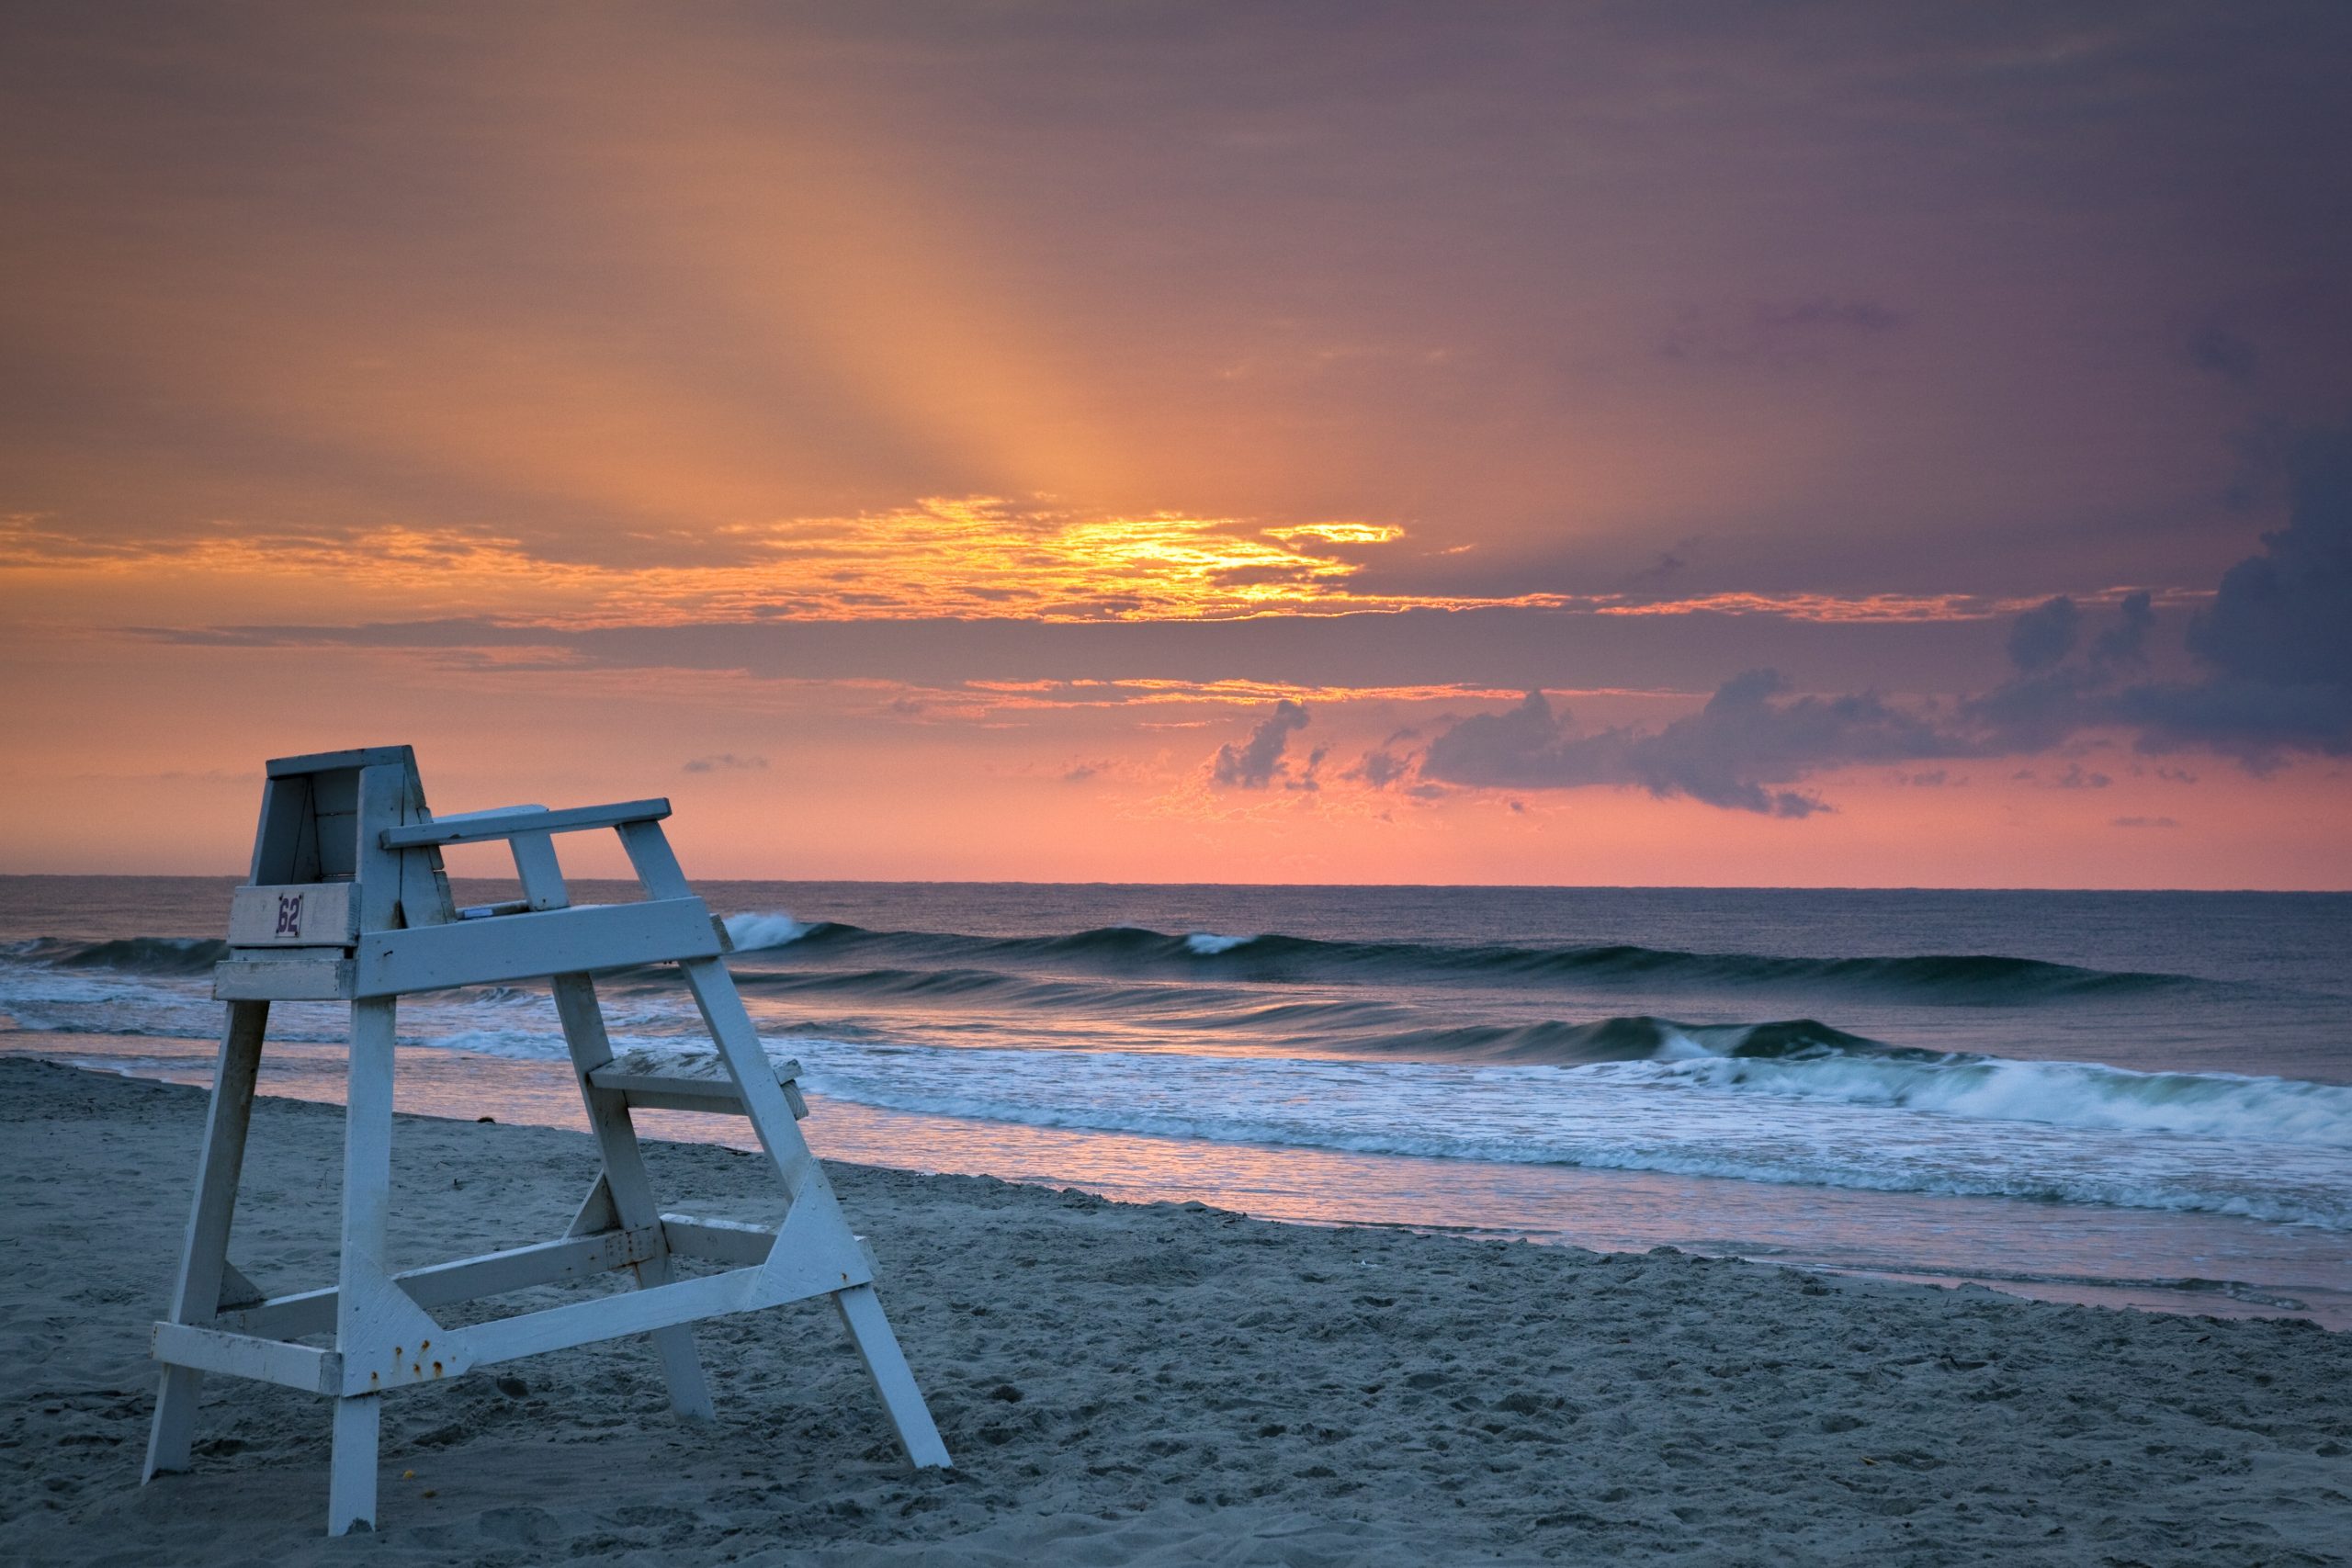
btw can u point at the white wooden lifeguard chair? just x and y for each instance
(347, 901)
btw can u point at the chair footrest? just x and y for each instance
(687, 1080)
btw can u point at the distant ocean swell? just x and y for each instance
(128, 955)
(1981, 978)
(1126, 1031)
(1960, 979)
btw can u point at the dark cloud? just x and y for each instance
(2275, 645)
(2126, 641)
(1666, 565)
(2142, 822)
(2045, 635)
(727, 761)
(1734, 752)
(1257, 762)
(1310, 780)
(2276, 639)
(2285, 616)
(1379, 767)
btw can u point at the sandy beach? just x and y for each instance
(1163, 1384)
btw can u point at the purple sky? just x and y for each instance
(833, 370)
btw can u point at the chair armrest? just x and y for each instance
(478, 826)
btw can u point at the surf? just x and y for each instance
(1959, 979)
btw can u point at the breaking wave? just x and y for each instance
(1958, 979)
(2064, 1094)
(1602, 1117)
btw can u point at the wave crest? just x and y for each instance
(1953, 979)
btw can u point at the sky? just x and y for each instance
(1849, 443)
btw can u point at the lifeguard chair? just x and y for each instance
(347, 901)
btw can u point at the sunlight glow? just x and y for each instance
(975, 557)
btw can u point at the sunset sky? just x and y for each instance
(1836, 444)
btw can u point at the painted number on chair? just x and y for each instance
(290, 915)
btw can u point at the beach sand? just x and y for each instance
(1158, 1384)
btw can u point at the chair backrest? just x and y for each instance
(320, 873)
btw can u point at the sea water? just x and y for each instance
(2114, 1097)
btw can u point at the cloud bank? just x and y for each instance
(2274, 648)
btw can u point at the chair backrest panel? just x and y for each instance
(320, 818)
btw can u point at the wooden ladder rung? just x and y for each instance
(687, 1080)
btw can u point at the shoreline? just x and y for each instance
(2196, 1264)
(1161, 1383)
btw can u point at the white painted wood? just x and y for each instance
(683, 1066)
(355, 825)
(814, 1253)
(471, 828)
(487, 812)
(351, 1477)
(367, 1199)
(713, 1101)
(731, 1242)
(869, 1330)
(424, 885)
(597, 1213)
(402, 1345)
(470, 1279)
(747, 1063)
(277, 834)
(331, 761)
(608, 1317)
(536, 867)
(246, 1356)
(804, 1180)
(314, 914)
(383, 806)
(655, 863)
(659, 1079)
(204, 1253)
(524, 947)
(629, 1191)
(236, 1291)
(288, 979)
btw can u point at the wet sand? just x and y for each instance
(1146, 1383)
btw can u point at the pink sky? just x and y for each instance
(1171, 443)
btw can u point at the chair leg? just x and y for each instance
(367, 1204)
(204, 1256)
(869, 1330)
(764, 1102)
(628, 1187)
(351, 1484)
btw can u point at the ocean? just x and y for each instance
(2123, 1099)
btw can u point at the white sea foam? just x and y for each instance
(2064, 1094)
(758, 930)
(1586, 1117)
(1207, 944)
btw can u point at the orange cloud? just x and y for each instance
(968, 559)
